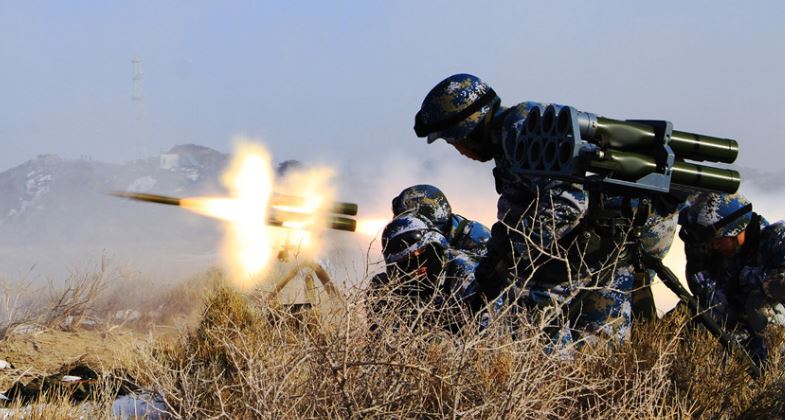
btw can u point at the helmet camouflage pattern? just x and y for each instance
(407, 236)
(708, 209)
(454, 108)
(425, 200)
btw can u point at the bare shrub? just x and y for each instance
(75, 302)
(246, 358)
(16, 306)
(106, 295)
(244, 361)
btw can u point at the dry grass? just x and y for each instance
(104, 297)
(249, 360)
(246, 358)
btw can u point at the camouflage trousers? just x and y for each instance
(587, 313)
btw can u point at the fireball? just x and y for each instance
(261, 223)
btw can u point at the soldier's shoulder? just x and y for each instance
(773, 231)
(772, 245)
(516, 115)
(461, 261)
(470, 235)
(478, 231)
(521, 111)
(564, 189)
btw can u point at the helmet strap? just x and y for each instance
(422, 128)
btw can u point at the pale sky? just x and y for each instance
(339, 82)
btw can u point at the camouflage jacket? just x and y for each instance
(468, 235)
(547, 209)
(766, 270)
(745, 287)
(543, 208)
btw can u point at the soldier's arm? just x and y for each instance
(473, 237)
(770, 271)
(558, 210)
(710, 293)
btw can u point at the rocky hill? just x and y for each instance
(55, 213)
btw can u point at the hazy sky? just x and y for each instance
(340, 82)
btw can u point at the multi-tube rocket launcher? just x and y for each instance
(562, 142)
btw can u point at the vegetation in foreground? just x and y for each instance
(245, 357)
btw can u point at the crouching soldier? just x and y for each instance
(735, 265)
(431, 203)
(431, 281)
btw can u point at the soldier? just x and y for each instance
(430, 202)
(735, 263)
(423, 269)
(541, 217)
(656, 238)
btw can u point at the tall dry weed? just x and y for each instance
(250, 360)
(380, 355)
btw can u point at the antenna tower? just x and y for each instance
(137, 97)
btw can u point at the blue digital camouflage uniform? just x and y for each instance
(449, 280)
(537, 216)
(769, 266)
(468, 235)
(711, 277)
(547, 211)
(655, 240)
(767, 274)
(428, 201)
(743, 291)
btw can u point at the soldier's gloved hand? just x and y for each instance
(701, 284)
(751, 277)
(773, 283)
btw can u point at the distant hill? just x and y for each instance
(55, 212)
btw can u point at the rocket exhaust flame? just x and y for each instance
(217, 207)
(227, 209)
(371, 227)
(260, 222)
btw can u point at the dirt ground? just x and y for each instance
(44, 352)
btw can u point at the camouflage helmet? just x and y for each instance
(409, 235)
(718, 215)
(427, 201)
(288, 166)
(454, 108)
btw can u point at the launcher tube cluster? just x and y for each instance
(562, 142)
